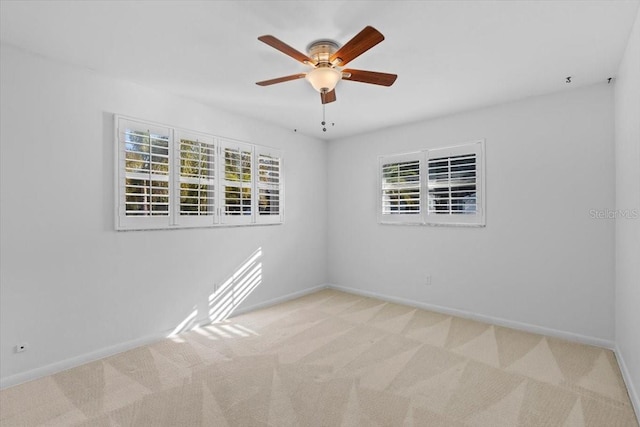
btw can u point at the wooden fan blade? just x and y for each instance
(286, 49)
(359, 44)
(281, 79)
(328, 97)
(373, 77)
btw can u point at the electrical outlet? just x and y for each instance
(428, 280)
(22, 347)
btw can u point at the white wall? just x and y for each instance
(627, 148)
(70, 284)
(541, 260)
(69, 289)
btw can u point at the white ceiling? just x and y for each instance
(450, 56)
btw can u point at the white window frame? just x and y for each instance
(425, 217)
(478, 219)
(124, 221)
(174, 219)
(194, 220)
(390, 217)
(242, 218)
(274, 154)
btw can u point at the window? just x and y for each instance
(401, 188)
(144, 163)
(173, 178)
(443, 186)
(269, 185)
(197, 178)
(455, 185)
(237, 182)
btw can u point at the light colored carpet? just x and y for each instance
(335, 359)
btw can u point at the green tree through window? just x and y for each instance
(197, 178)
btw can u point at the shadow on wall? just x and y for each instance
(228, 296)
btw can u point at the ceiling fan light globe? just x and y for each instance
(324, 79)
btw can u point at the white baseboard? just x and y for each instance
(278, 300)
(633, 393)
(570, 336)
(72, 362)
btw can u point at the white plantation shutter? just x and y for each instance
(401, 192)
(443, 186)
(452, 185)
(174, 178)
(455, 185)
(269, 185)
(237, 183)
(196, 178)
(144, 162)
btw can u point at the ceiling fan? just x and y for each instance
(328, 59)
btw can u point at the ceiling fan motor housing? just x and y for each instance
(321, 50)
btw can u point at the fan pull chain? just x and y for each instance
(324, 119)
(324, 122)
